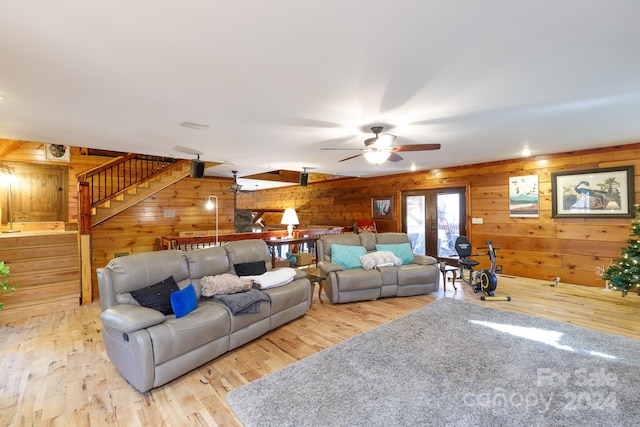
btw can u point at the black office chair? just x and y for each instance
(463, 248)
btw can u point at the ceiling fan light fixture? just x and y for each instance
(385, 141)
(377, 156)
(235, 187)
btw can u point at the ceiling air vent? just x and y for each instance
(193, 125)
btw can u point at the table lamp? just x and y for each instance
(290, 218)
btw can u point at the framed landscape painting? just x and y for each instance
(524, 200)
(604, 192)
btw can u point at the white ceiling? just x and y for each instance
(278, 81)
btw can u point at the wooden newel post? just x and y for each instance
(84, 220)
(84, 207)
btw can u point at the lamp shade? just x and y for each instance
(377, 156)
(290, 217)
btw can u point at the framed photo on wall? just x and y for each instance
(524, 200)
(57, 152)
(604, 192)
(382, 207)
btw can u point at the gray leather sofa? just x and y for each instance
(150, 348)
(421, 276)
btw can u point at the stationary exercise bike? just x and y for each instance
(485, 280)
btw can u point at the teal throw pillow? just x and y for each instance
(401, 250)
(346, 256)
(184, 301)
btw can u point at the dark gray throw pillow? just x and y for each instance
(250, 268)
(157, 296)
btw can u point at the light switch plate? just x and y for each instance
(477, 221)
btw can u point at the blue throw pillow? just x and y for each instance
(347, 257)
(401, 250)
(184, 301)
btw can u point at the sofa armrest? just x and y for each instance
(328, 267)
(424, 260)
(300, 274)
(130, 318)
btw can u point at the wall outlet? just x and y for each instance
(477, 221)
(169, 213)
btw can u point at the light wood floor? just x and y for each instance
(54, 370)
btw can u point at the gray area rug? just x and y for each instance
(452, 363)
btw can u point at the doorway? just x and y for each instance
(433, 219)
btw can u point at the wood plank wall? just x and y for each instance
(33, 152)
(540, 248)
(177, 208)
(45, 269)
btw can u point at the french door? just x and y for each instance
(433, 219)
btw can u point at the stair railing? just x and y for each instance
(107, 181)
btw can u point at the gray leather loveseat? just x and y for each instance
(418, 274)
(150, 348)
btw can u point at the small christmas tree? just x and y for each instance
(623, 273)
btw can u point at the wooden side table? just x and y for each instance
(314, 278)
(446, 268)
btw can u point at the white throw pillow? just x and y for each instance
(375, 259)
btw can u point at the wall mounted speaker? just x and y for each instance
(197, 168)
(304, 178)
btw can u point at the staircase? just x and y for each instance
(123, 182)
(138, 192)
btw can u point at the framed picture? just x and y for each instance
(604, 192)
(57, 152)
(382, 207)
(524, 200)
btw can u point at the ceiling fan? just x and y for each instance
(381, 148)
(235, 187)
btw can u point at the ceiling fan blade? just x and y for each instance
(349, 158)
(393, 157)
(416, 147)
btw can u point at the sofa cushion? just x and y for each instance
(346, 256)
(253, 250)
(132, 272)
(379, 259)
(157, 296)
(287, 296)
(184, 301)
(174, 337)
(401, 250)
(358, 279)
(368, 240)
(250, 268)
(207, 262)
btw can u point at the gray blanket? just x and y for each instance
(243, 302)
